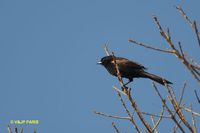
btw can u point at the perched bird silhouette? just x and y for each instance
(129, 69)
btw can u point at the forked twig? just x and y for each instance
(153, 121)
(179, 54)
(192, 24)
(159, 120)
(176, 126)
(128, 93)
(168, 109)
(128, 112)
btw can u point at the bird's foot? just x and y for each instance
(124, 88)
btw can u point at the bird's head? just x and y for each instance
(105, 60)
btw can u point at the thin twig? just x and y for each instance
(193, 71)
(198, 99)
(195, 64)
(196, 32)
(124, 88)
(193, 121)
(153, 121)
(191, 111)
(164, 35)
(159, 120)
(127, 111)
(134, 105)
(180, 114)
(111, 116)
(155, 115)
(182, 92)
(122, 92)
(192, 24)
(180, 56)
(168, 109)
(179, 8)
(176, 126)
(114, 126)
(180, 47)
(149, 47)
(106, 49)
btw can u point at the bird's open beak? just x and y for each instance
(99, 62)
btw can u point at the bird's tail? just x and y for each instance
(156, 78)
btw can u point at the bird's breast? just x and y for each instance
(111, 69)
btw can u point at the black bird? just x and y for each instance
(129, 69)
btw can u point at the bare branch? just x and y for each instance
(134, 105)
(124, 88)
(176, 126)
(111, 116)
(127, 111)
(180, 114)
(192, 24)
(174, 106)
(180, 47)
(179, 8)
(195, 64)
(168, 109)
(179, 55)
(155, 115)
(150, 47)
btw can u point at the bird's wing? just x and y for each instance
(129, 64)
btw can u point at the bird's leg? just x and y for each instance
(127, 83)
(130, 80)
(127, 90)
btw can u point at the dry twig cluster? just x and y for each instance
(174, 106)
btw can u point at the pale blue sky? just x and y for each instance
(49, 50)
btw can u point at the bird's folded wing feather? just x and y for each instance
(129, 64)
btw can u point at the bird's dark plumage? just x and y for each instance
(129, 69)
